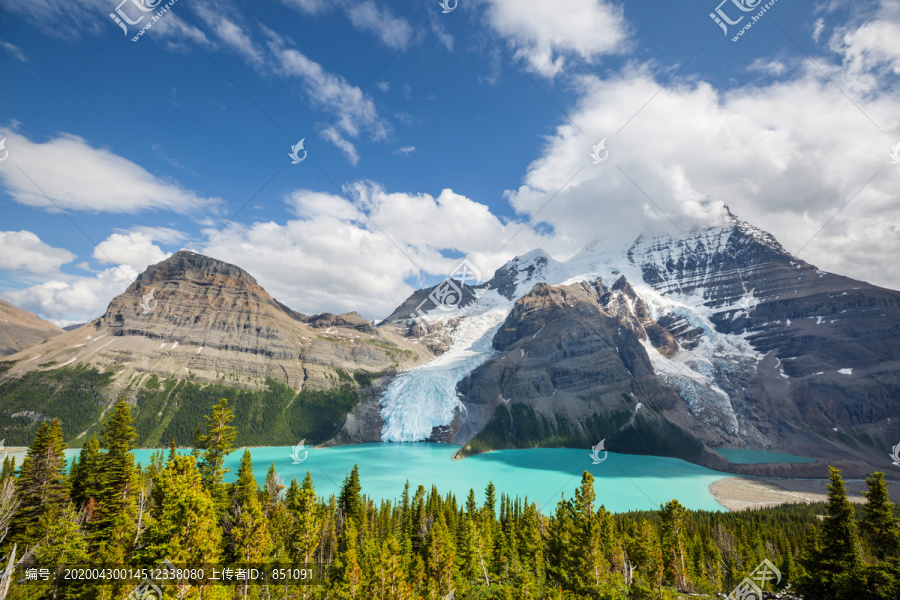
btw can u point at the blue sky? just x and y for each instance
(431, 136)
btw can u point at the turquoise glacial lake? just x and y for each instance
(623, 482)
(738, 456)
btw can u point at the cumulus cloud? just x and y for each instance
(379, 239)
(872, 45)
(785, 155)
(77, 176)
(544, 34)
(24, 251)
(74, 300)
(65, 299)
(136, 248)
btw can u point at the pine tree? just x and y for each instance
(350, 500)
(215, 445)
(64, 545)
(346, 571)
(43, 488)
(839, 539)
(84, 474)
(250, 539)
(245, 486)
(307, 534)
(117, 483)
(440, 556)
(9, 468)
(879, 524)
(184, 528)
(273, 488)
(672, 516)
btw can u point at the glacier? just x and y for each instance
(418, 400)
(425, 397)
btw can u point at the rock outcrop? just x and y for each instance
(194, 316)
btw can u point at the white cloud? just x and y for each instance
(785, 155)
(67, 299)
(309, 7)
(384, 86)
(230, 33)
(136, 248)
(405, 150)
(15, 51)
(544, 33)
(352, 110)
(24, 251)
(443, 37)
(74, 300)
(71, 20)
(295, 261)
(872, 45)
(77, 176)
(394, 32)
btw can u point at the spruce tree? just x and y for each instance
(214, 446)
(307, 534)
(440, 556)
(272, 490)
(350, 500)
(185, 526)
(85, 473)
(64, 545)
(43, 488)
(346, 573)
(672, 516)
(117, 482)
(250, 539)
(879, 524)
(839, 541)
(245, 487)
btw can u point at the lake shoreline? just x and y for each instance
(737, 493)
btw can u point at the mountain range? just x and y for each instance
(669, 345)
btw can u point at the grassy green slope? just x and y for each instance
(171, 409)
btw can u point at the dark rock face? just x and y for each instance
(571, 368)
(732, 342)
(830, 381)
